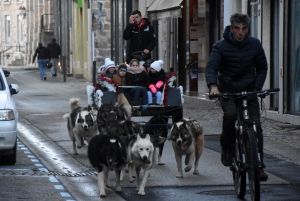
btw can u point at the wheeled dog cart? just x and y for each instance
(172, 96)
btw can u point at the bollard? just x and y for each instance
(64, 68)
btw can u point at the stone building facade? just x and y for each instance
(13, 32)
(25, 23)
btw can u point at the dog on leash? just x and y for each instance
(107, 113)
(124, 108)
(82, 124)
(187, 139)
(141, 154)
(107, 153)
(157, 128)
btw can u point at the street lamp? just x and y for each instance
(21, 11)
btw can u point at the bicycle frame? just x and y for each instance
(247, 157)
(243, 122)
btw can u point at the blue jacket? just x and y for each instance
(237, 66)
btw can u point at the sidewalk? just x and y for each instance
(280, 140)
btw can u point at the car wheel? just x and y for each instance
(10, 159)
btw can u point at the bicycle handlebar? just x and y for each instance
(261, 93)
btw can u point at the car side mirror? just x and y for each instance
(14, 89)
(6, 73)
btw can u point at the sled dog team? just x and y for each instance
(124, 144)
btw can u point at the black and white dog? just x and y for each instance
(157, 128)
(107, 153)
(82, 124)
(187, 139)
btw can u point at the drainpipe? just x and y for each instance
(171, 42)
(89, 35)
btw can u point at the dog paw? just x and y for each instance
(141, 193)
(102, 195)
(196, 172)
(161, 163)
(187, 169)
(179, 176)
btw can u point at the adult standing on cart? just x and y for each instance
(141, 34)
(54, 53)
(237, 63)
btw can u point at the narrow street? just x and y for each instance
(46, 169)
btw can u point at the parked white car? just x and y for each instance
(8, 120)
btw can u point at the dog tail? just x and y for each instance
(123, 102)
(74, 103)
(66, 116)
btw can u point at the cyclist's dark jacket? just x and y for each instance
(140, 39)
(237, 66)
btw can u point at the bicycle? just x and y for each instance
(247, 157)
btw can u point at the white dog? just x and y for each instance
(141, 154)
(82, 123)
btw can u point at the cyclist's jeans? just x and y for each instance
(228, 134)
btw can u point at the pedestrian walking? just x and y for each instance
(42, 53)
(237, 63)
(54, 53)
(141, 34)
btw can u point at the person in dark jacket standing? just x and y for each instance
(42, 53)
(237, 63)
(155, 81)
(54, 53)
(141, 34)
(136, 76)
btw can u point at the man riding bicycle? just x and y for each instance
(237, 63)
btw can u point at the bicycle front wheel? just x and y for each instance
(239, 175)
(251, 155)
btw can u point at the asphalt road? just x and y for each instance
(45, 147)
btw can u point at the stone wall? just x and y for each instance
(101, 26)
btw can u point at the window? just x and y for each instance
(5, 1)
(255, 16)
(7, 29)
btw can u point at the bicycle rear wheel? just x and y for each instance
(239, 176)
(251, 155)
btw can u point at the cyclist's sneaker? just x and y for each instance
(262, 175)
(227, 156)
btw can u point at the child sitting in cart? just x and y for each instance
(110, 68)
(136, 77)
(155, 81)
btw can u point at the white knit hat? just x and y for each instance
(156, 65)
(109, 64)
